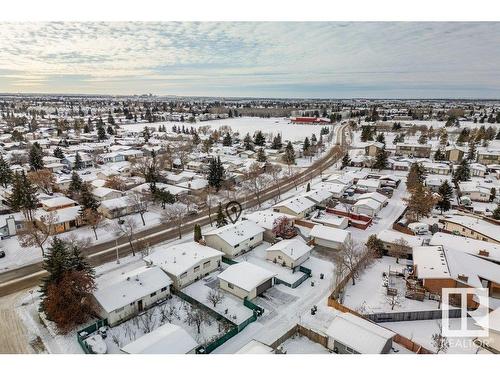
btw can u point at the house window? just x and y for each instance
(206, 264)
(235, 246)
(163, 289)
(196, 269)
(230, 286)
(183, 275)
(152, 294)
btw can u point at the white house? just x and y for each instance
(318, 196)
(329, 237)
(350, 334)
(117, 207)
(127, 294)
(235, 239)
(166, 339)
(103, 193)
(337, 190)
(296, 206)
(381, 198)
(289, 253)
(186, 263)
(266, 219)
(367, 207)
(246, 280)
(368, 185)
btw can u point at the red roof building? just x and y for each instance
(310, 120)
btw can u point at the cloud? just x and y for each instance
(327, 59)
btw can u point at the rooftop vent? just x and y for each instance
(463, 278)
(484, 253)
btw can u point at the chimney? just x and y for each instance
(463, 278)
(484, 253)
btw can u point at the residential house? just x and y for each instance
(297, 206)
(103, 193)
(329, 237)
(118, 207)
(185, 263)
(266, 219)
(415, 150)
(126, 295)
(289, 253)
(373, 148)
(472, 227)
(57, 203)
(235, 239)
(246, 280)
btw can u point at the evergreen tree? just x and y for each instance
(277, 143)
(462, 173)
(366, 134)
(87, 200)
(78, 164)
(146, 134)
(261, 155)
(381, 159)
(446, 192)
(496, 213)
(439, 155)
(227, 140)
(23, 196)
(221, 218)
(306, 146)
(471, 153)
(493, 194)
(381, 138)
(247, 142)
(375, 245)
(101, 133)
(289, 156)
(308, 187)
(110, 130)
(36, 157)
(346, 160)
(75, 184)
(216, 173)
(58, 153)
(197, 233)
(5, 172)
(55, 262)
(416, 176)
(259, 139)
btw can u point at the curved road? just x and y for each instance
(28, 276)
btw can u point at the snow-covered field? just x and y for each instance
(243, 125)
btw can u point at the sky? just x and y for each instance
(253, 59)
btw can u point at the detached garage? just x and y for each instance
(246, 280)
(329, 237)
(368, 207)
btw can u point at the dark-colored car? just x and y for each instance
(2, 254)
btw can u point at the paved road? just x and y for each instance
(30, 275)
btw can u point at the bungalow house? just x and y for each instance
(329, 237)
(330, 220)
(438, 267)
(477, 170)
(296, 206)
(474, 191)
(266, 219)
(111, 157)
(318, 196)
(381, 198)
(368, 207)
(246, 280)
(86, 160)
(235, 239)
(482, 249)
(487, 157)
(351, 334)
(103, 193)
(63, 219)
(368, 185)
(10, 224)
(472, 227)
(118, 207)
(57, 203)
(196, 185)
(289, 253)
(415, 150)
(337, 190)
(166, 339)
(185, 263)
(127, 294)
(390, 237)
(436, 168)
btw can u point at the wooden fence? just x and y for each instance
(311, 334)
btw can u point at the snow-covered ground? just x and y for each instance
(368, 295)
(271, 126)
(299, 344)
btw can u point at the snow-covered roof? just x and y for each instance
(330, 234)
(255, 347)
(476, 224)
(236, 233)
(359, 334)
(391, 236)
(115, 203)
(166, 339)
(246, 276)
(318, 195)
(177, 259)
(196, 184)
(482, 249)
(266, 218)
(61, 216)
(129, 287)
(375, 196)
(431, 262)
(368, 183)
(293, 248)
(57, 201)
(296, 204)
(371, 203)
(103, 191)
(332, 187)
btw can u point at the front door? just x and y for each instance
(139, 305)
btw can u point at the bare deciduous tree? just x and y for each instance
(36, 233)
(255, 181)
(195, 316)
(440, 342)
(127, 228)
(140, 202)
(175, 213)
(93, 219)
(399, 249)
(350, 254)
(215, 296)
(147, 321)
(44, 179)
